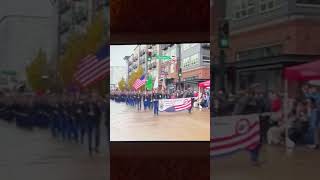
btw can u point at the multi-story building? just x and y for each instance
(265, 37)
(195, 63)
(139, 59)
(193, 59)
(25, 28)
(169, 69)
(74, 17)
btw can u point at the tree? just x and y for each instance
(134, 76)
(37, 72)
(79, 46)
(122, 84)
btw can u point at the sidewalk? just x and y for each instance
(302, 163)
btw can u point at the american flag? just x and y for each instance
(93, 67)
(139, 82)
(246, 135)
(186, 105)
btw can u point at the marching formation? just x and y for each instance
(150, 99)
(67, 117)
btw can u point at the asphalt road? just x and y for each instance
(128, 124)
(33, 155)
(278, 164)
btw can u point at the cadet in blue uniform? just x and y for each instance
(74, 120)
(157, 97)
(139, 101)
(82, 115)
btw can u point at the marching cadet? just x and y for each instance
(139, 97)
(157, 97)
(55, 118)
(81, 116)
(75, 123)
(98, 107)
(66, 120)
(93, 124)
(145, 101)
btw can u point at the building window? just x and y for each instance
(205, 59)
(186, 62)
(257, 53)
(243, 9)
(194, 59)
(268, 5)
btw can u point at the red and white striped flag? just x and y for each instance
(93, 67)
(139, 82)
(234, 133)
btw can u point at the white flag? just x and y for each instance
(163, 84)
(155, 84)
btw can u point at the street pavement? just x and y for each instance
(33, 155)
(278, 164)
(128, 124)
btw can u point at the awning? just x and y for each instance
(204, 84)
(303, 72)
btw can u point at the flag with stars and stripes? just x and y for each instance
(93, 67)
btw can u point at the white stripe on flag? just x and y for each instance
(233, 144)
(244, 145)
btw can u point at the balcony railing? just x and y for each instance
(64, 7)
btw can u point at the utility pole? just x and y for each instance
(223, 42)
(56, 6)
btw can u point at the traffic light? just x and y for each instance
(180, 72)
(223, 39)
(149, 55)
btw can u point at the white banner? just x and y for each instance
(174, 105)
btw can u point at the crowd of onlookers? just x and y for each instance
(298, 118)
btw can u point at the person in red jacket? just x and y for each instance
(276, 102)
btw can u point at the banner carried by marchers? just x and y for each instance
(174, 105)
(230, 134)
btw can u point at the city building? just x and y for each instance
(25, 28)
(195, 64)
(138, 58)
(169, 69)
(74, 16)
(265, 37)
(193, 59)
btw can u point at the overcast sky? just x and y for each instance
(117, 53)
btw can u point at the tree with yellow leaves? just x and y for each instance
(122, 84)
(37, 72)
(79, 46)
(134, 76)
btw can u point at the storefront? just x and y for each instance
(267, 72)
